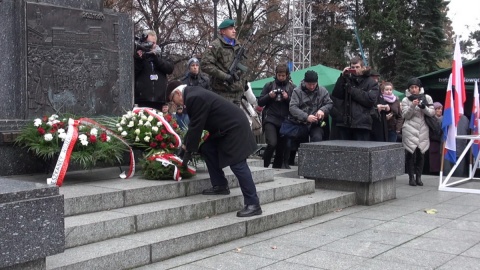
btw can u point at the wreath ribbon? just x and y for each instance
(169, 160)
(69, 143)
(178, 141)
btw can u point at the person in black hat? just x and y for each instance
(275, 99)
(194, 77)
(310, 105)
(217, 60)
(230, 142)
(415, 131)
(354, 97)
(151, 70)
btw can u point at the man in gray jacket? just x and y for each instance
(309, 105)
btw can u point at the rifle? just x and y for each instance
(236, 65)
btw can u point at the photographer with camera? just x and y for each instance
(275, 98)
(415, 132)
(151, 69)
(354, 98)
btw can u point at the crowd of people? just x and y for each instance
(360, 107)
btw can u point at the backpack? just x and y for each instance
(435, 131)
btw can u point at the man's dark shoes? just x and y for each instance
(250, 210)
(216, 190)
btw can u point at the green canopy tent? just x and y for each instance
(327, 77)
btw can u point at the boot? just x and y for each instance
(267, 155)
(419, 166)
(410, 169)
(419, 180)
(286, 157)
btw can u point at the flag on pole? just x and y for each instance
(458, 82)
(475, 120)
(449, 126)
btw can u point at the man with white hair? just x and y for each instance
(229, 144)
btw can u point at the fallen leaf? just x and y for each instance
(238, 249)
(274, 247)
(338, 210)
(431, 211)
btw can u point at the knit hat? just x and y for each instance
(311, 77)
(414, 81)
(192, 61)
(437, 105)
(171, 86)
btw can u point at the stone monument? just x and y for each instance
(60, 56)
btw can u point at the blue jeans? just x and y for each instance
(392, 136)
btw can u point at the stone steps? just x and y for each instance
(92, 227)
(142, 248)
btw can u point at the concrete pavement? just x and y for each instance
(397, 234)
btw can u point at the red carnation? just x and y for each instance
(171, 146)
(93, 139)
(163, 131)
(163, 145)
(45, 119)
(153, 144)
(168, 117)
(53, 130)
(103, 137)
(41, 130)
(175, 125)
(159, 138)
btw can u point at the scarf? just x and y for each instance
(389, 98)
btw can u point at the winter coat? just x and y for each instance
(354, 98)
(395, 123)
(199, 79)
(216, 61)
(305, 102)
(415, 131)
(147, 89)
(225, 122)
(274, 111)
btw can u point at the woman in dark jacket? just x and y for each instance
(393, 113)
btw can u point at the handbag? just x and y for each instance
(292, 129)
(435, 131)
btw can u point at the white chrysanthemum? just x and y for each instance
(49, 123)
(148, 134)
(150, 118)
(48, 137)
(148, 124)
(155, 129)
(129, 114)
(137, 139)
(84, 142)
(159, 124)
(137, 131)
(53, 117)
(55, 121)
(140, 123)
(37, 122)
(81, 127)
(144, 117)
(108, 138)
(117, 124)
(82, 137)
(94, 131)
(123, 122)
(61, 130)
(124, 133)
(140, 113)
(120, 129)
(130, 124)
(147, 139)
(62, 136)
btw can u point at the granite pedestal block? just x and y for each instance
(367, 168)
(32, 224)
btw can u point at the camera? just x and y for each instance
(278, 94)
(142, 44)
(422, 101)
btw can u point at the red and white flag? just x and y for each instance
(458, 82)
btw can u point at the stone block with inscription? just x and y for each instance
(61, 56)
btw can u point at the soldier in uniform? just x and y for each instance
(218, 58)
(194, 77)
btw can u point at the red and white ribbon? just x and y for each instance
(172, 160)
(69, 143)
(150, 111)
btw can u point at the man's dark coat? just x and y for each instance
(225, 121)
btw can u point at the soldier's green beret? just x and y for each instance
(226, 23)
